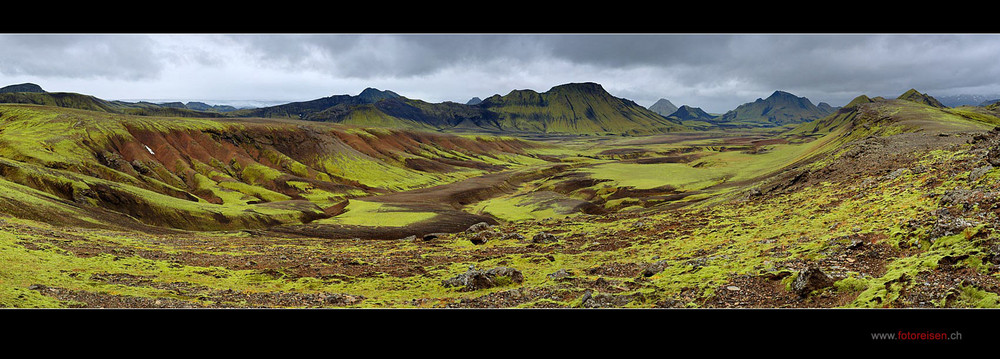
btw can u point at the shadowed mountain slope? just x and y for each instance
(779, 109)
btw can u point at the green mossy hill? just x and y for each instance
(866, 116)
(584, 108)
(915, 96)
(781, 108)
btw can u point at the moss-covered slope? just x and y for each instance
(205, 174)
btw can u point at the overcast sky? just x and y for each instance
(715, 72)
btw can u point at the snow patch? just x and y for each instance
(149, 149)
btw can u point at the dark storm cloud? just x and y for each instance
(366, 55)
(873, 63)
(623, 50)
(79, 56)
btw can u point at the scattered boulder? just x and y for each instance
(948, 224)
(894, 174)
(483, 237)
(993, 156)
(478, 227)
(475, 279)
(342, 299)
(559, 274)
(516, 236)
(965, 196)
(653, 268)
(979, 172)
(603, 300)
(810, 279)
(544, 237)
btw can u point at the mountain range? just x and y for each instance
(573, 108)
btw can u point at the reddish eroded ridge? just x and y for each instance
(262, 167)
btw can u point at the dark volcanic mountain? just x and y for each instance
(781, 108)
(25, 87)
(302, 110)
(663, 107)
(688, 113)
(201, 106)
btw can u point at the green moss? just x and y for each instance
(364, 213)
(972, 297)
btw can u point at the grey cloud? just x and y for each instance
(79, 56)
(374, 55)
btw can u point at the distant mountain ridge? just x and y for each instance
(304, 109)
(25, 87)
(33, 94)
(573, 108)
(663, 107)
(967, 99)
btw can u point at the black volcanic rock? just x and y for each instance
(474, 101)
(663, 107)
(25, 87)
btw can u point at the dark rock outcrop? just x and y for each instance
(475, 279)
(810, 279)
